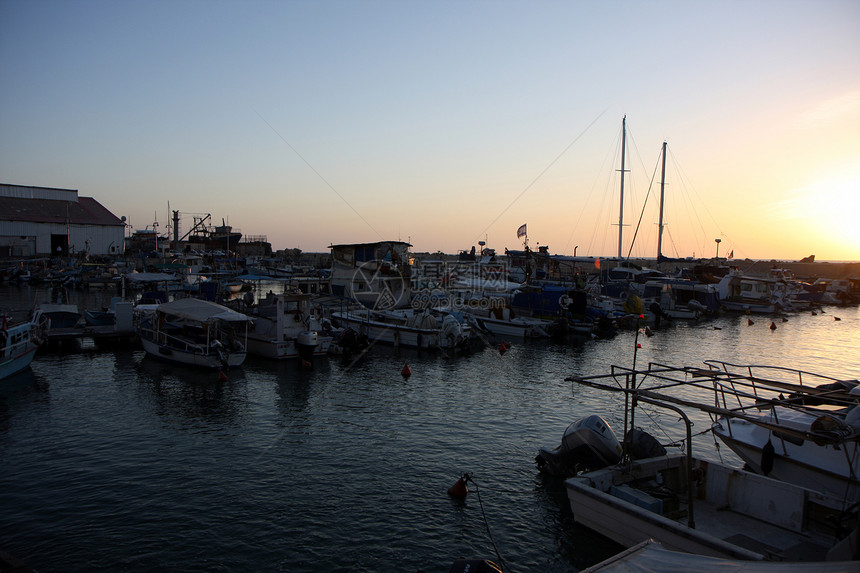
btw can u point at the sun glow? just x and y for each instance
(831, 210)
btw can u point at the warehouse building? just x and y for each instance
(43, 221)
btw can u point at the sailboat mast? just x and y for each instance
(621, 208)
(662, 188)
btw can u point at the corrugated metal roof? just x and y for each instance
(86, 211)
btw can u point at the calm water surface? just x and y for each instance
(114, 462)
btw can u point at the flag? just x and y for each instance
(732, 254)
(521, 231)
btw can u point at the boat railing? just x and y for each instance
(748, 391)
(163, 338)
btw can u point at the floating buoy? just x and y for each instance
(406, 372)
(717, 328)
(836, 318)
(638, 346)
(773, 326)
(784, 319)
(459, 490)
(306, 364)
(648, 331)
(503, 347)
(222, 377)
(814, 313)
(750, 322)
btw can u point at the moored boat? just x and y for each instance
(409, 328)
(18, 345)
(195, 332)
(284, 326)
(700, 506)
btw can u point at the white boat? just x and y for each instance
(694, 505)
(285, 327)
(702, 507)
(759, 295)
(18, 345)
(810, 438)
(408, 328)
(494, 317)
(195, 332)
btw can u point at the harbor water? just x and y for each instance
(114, 462)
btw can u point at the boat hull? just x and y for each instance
(738, 514)
(209, 360)
(820, 467)
(17, 362)
(287, 349)
(16, 356)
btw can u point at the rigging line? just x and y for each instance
(318, 174)
(487, 523)
(539, 175)
(588, 202)
(705, 205)
(645, 204)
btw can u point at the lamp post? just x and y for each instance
(718, 241)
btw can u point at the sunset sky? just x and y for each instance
(444, 123)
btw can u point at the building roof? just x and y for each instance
(85, 211)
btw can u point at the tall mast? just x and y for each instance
(621, 208)
(662, 187)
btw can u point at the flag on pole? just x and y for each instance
(521, 232)
(732, 254)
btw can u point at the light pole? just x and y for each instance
(718, 241)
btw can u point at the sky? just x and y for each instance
(447, 123)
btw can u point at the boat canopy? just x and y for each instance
(198, 310)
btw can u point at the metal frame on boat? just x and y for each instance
(195, 332)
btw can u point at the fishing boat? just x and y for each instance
(195, 332)
(697, 505)
(18, 345)
(753, 294)
(284, 326)
(409, 328)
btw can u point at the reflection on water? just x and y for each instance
(115, 461)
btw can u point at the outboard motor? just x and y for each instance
(587, 444)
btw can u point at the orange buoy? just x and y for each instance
(750, 322)
(503, 347)
(648, 331)
(222, 377)
(406, 372)
(459, 490)
(773, 326)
